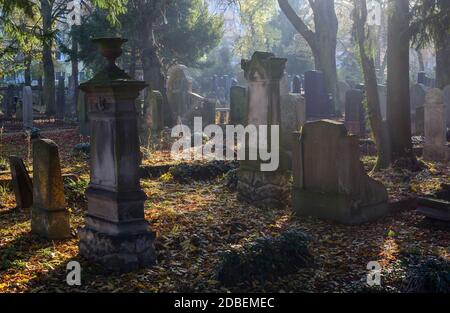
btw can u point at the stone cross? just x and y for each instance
(435, 147)
(263, 73)
(27, 107)
(116, 234)
(21, 183)
(49, 215)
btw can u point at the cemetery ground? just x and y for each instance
(196, 221)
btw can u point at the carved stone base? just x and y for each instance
(51, 224)
(263, 189)
(123, 253)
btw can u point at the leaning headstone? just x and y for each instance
(256, 186)
(116, 233)
(329, 178)
(21, 183)
(318, 104)
(435, 147)
(297, 84)
(49, 215)
(83, 118)
(179, 87)
(27, 107)
(355, 118)
(60, 99)
(446, 91)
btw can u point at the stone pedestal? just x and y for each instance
(263, 189)
(116, 233)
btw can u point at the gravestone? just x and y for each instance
(155, 111)
(318, 104)
(21, 183)
(8, 101)
(83, 118)
(27, 107)
(417, 95)
(297, 84)
(49, 216)
(446, 91)
(238, 105)
(60, 99)
(329, 178)
(293, 117)
(179, 87)
(116, 233)
(284, 85)
(263, 188)
(382, 95)
(355, 117)
(343, 87)
(19, 114)
(435, 147)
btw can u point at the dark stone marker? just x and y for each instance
(329, 178)
(49, 216)
(297, 84)
(422, 78)
(317, 101)
(60, 99)
(116, 234)
(355, 117)
(21, 183)
(238, 105)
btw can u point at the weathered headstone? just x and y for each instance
(263, 188)
(329, 178)
(21, 183)
(179, 87)
(297, 84)
(355, 117)
(318, 104)
(116, 233)
(293, 116)
(238, 105)
(60, 99)
(417, 100)
(8, 101)
(83, 118)
(446, 91)
(49, 215)
(435, 147)
(27, 107)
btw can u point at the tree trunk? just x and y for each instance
(443, 62)
(371, 86)
(326, 28)
(74, 86)
(322, 41)
(27, 71)
(420, 58)
(398, 98)
(152, 68)
(47, 59)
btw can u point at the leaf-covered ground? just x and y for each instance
(197, 221)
